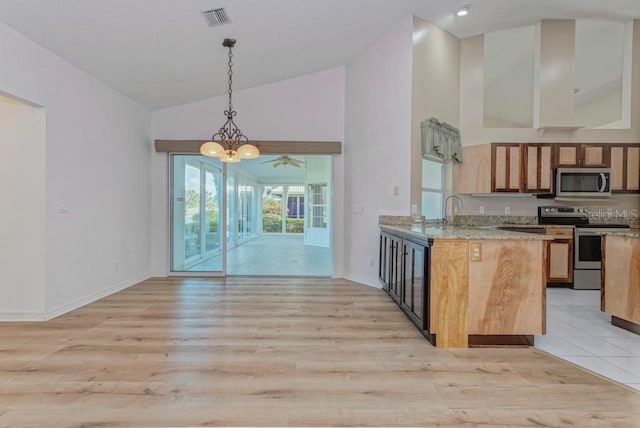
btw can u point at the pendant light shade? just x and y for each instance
(248, 151)
(212, 149)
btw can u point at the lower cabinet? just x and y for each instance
(404, 273)
(390, 272)
(560, 255)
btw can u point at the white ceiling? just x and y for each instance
(161, 52)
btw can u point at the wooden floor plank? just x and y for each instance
(279, 352)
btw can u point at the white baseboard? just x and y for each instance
(365, 281)
(67, 307)
(22, 316)
(75, 304)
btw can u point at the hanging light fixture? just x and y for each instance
(229, 143)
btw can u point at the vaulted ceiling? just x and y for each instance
(162, 53)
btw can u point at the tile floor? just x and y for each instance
(578, 332)
(281, 255)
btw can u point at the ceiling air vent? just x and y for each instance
(216, 17)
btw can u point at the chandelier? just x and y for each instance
(229, 143)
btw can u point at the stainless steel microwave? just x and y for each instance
(583, 182)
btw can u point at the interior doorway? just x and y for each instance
(277, 216)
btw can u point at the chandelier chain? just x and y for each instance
(230, 79)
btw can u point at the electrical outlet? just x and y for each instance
(507, 210)
(476, 252)
(372, 261)
(481, 210)
(116, 264)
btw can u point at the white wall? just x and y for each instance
(471, 105)
(97, 162)
(435, 90)
(307, 108)
(377, 145)
(22, 218)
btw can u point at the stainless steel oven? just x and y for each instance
(583, 182)
(588, 255)
(587, 244)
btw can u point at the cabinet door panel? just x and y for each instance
(617, 168)
(546, 169)
(514, 168)
(408, 274)
(633, 168)
(418, 282)
(560, 257)
(506, 165)
(568, 156)
(532, 167)
(500, 168)
(538, 165)
(593, 156)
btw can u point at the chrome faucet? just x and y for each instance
(444, 215)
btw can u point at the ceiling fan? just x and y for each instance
(285, 160)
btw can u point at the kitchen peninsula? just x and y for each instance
(620, 295)
(467, 287)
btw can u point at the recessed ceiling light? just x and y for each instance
(463, 11)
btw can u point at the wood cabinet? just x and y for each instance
(474, 174)
(560, 261)
(463, 293)
(507, 288)
(529, 167)
(581, 155)
(415, 268)
(522, 167)
(404, 273)
(538, 168)
(625, 168)
(620, 294)
(390, 268)
(506, 167)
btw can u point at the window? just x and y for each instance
(318, 205)
(432, 183)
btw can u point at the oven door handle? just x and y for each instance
(603, 178)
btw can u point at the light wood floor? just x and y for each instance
(279, 352)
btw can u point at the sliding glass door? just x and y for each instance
(196, 207)
(265, 216)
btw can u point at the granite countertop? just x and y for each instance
(539, 226)
(465, 233)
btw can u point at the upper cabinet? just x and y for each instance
(625, 168)
(506, 167)
(582, 155)
(538, 168)
(474, 174)
(522, 168)
(528, 167)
